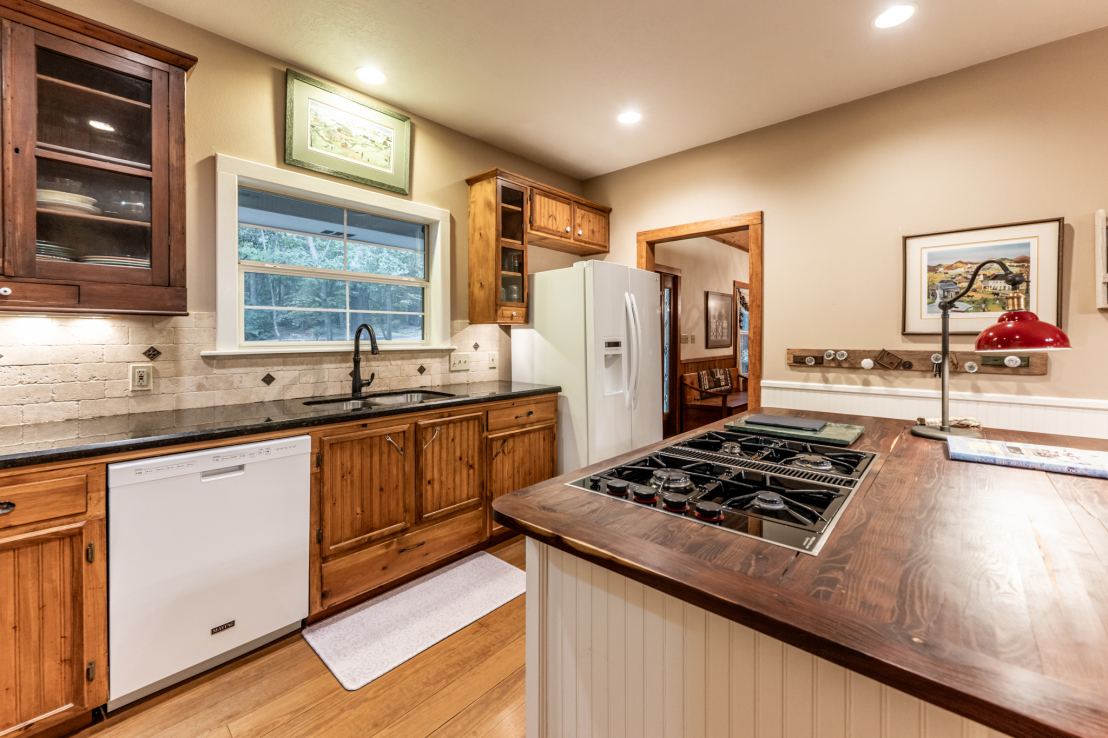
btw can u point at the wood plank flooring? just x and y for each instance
(470, 684)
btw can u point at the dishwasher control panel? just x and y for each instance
(133, 472)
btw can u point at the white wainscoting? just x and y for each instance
(608, 657)
(1064, 416)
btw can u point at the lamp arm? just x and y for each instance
(1011, 278)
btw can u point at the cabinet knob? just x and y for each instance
(6, 507)
(580, 232)
(513, 315)
(567, 229)
(5, 291)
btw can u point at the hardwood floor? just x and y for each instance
(470, 684)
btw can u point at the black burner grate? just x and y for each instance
(778, 469)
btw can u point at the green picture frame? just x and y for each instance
(332, 131)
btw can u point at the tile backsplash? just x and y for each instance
(60, 368)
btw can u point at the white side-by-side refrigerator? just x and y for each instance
(595, 330)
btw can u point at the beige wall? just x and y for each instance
(706, 266)
(1019, 138)
(236, 106)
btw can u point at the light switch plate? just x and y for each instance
(493, 356)
(142, 377)
(459, 362)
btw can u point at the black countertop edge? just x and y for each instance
(127, 445)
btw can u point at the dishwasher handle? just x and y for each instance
(224, 473)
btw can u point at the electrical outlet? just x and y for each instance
(142, 377)
(493, 356)
(459, 362)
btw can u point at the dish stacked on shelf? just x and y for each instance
(66, 202)
(48, 251)
(109, 260)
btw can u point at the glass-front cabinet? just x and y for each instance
(94, 208)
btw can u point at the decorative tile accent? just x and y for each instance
(476, 345)
(151, 353)
(421, 369)
(269, 379)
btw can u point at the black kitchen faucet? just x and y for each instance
(358, 385)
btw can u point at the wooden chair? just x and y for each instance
(701, 407)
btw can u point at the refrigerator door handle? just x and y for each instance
(638, 351)
(631, 357)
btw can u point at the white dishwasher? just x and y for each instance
(207, 559)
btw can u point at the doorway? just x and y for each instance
(670, 296)
(743, 232)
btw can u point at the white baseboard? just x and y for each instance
(1064, 416)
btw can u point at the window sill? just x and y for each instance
(321, 350)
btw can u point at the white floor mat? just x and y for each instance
(363, 643)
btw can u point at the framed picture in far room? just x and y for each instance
(939, 266)
(332, 131)
(719, 313)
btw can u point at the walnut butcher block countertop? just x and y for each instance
(981, 589)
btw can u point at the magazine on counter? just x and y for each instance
(1029, 456)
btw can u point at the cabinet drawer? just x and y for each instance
(363, 570)
(511, 315)
(26, 294)
(523, 412)
(31, 502)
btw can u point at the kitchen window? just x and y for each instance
(309, 267)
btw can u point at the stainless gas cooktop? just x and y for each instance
(789, 493)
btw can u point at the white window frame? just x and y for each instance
(231, 173)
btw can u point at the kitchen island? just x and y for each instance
(952, 599)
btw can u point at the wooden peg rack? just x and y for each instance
(916, 361)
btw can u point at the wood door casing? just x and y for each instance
(451, 468)
(49, 627)
(520, 458)
(590, 226)
(551, 214)
(367, 487)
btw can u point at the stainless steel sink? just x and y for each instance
(385, 398)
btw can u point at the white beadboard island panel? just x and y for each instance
(1064, 416)
(608, 657)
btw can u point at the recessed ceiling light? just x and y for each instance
(894, 16)
(100, 125)
(372, 76)
(630, 117)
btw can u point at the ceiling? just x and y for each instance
(547, 79)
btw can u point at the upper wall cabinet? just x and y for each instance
(507, 213)
(93, 167)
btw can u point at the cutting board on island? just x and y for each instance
(833, 434)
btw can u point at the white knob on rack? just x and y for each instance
(828, 355)
(867, 363)
(842, 355)
(1012, 362)
(5, 291)
(971, 367)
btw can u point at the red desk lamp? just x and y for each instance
(1017, 331)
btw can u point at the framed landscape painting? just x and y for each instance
(331, 131)
(719, 310)
(938, 266)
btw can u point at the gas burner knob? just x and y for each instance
(594, 483)
(645, 496)
(675, 502)
(617, 488)
(709, 511)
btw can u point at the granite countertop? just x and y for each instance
(981, 589)
(41, 443)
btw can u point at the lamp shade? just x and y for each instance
(1021, 331)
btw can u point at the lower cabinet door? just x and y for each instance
(518, 459)
(450, 465)
(53, 627)
(358, 572)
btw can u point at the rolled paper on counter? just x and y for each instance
(954, 422)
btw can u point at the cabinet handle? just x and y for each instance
(527, 415)
(436, 435)
(5, 291)
(502, 445)
(567, 229)
(412, 548)
(6, 507)
(389, 439)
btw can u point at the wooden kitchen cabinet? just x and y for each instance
(518, 459)
(451, 463)
(93, 167)
(508, 213)
(368, 487)
(53, 617)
